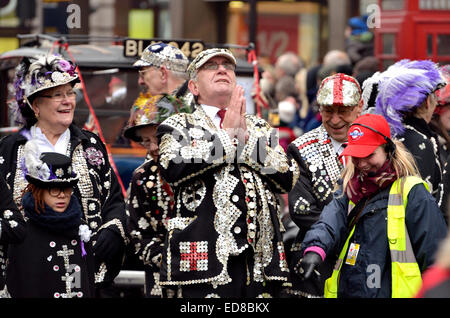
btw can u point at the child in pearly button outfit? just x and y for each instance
(55, 260)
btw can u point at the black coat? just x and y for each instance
(225, 200)
(98, 189)
(37, 267)
(424, 223)
(423, 144)
(12, 227)
(150, 204)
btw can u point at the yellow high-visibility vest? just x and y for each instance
(406, 276)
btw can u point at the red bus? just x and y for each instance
(413, 29)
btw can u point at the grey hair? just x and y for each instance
(180, 75)
(290, 63)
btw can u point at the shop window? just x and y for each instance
(434, 4)
(393, 4)
(388, 40)
(443, 44)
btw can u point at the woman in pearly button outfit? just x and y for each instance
(44, 107)
(407, 99)
(56, 259)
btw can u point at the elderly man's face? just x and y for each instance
(211, 83)
(337, 120)
(150, 77)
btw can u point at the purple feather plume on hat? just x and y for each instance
(404, 88)
(52, 174)
(23, 167)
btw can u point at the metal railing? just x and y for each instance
(130, 278)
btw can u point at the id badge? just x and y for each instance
(352, 254)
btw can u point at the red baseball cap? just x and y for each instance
(366, 134)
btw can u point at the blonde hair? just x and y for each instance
(403, 163)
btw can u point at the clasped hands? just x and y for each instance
(234, 120)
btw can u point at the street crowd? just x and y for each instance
(345, 196)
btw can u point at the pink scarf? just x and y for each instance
(361, 185)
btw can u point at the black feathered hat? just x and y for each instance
(49, 169)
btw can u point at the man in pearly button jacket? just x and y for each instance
(339, 99)
(225, 170)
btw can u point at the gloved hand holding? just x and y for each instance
(308, 263)
(108, 244)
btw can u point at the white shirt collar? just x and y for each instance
(212, 111)
(46, 146)
(338, 146)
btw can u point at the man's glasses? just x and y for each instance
(214, 66)
(143, 71)
(58, 97)
(54, 192)
(341, 111)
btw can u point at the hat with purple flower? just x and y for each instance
(45, 72)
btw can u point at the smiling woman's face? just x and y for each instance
(52, 112)
(371, 163)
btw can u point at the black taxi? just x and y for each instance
(109, 85)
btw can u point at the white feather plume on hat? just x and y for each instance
(34, 165)
(368, 88)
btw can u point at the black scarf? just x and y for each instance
(66, 222)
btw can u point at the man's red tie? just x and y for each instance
(221, 114)
(343, 159)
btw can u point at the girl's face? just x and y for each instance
(58, 198)
(371, 163)
(149, 140)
